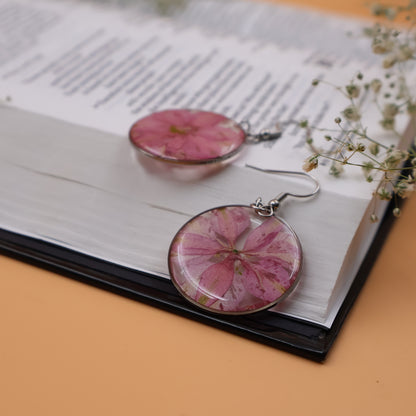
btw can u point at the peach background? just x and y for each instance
(69, 349)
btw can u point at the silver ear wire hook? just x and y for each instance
(263, 135)
(267, 210)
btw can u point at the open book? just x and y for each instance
(74, 76)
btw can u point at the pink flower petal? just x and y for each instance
(215, 282)
(148, 126)
(220, 137)
(261, 237)
(187, 136)
(169, 117)
(230, 222)
(193, 244)
(267, 280)
(284, 246)
(209, 267)
(270, 260)
(196, 147)
(207, 119)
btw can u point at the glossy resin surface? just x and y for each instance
(231, 260)
(187, 136)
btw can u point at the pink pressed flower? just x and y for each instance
(187, 136)
(224, 262)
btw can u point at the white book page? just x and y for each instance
(72, 177)
(109, 72)
(84, 190)
(327, 40)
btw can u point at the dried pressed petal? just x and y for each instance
(230, 223)
(215, 282)
(261, 237)
(187, 136)
(267, 280)
(230, 260)
(310, 163)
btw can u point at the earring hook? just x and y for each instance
(267, 210)
(263, 135)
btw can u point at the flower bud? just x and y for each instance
(411, 107)
(374, 148)
(390, 13)
(404, 53)
(395, 157)
(384, 194)
(388, 123)
(373, 218)
(310, 163)
(389, 61)
(375, 85)
(404, 189)
(390, 110)
(351, 113)
(397, 212)
(353, 90)
(382, 46)
(336, 169)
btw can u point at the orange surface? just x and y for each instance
(69, 349)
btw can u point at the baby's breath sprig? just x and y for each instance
(349, 143)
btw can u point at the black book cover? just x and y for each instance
(296, 336)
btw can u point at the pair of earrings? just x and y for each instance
(233, 259)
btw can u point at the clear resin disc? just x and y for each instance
(187, 136)
(230, 260)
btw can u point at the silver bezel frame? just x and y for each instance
(217, 312)
(218, 159)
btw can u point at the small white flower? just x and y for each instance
(404, 53)
(382, 46)
(397, 212)
(374, 148)
(367, 167)
(351, 113)
(310, 163)
(405, 188)
(390, 110)
(353, 90)
(388, 123)
(390, 13)
(373, 218)
(411, 108)
(375, 85)
(395, 157)
(389, 61)
(384, 194)
(336, 169)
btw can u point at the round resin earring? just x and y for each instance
(191, 137)
(238, 259)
